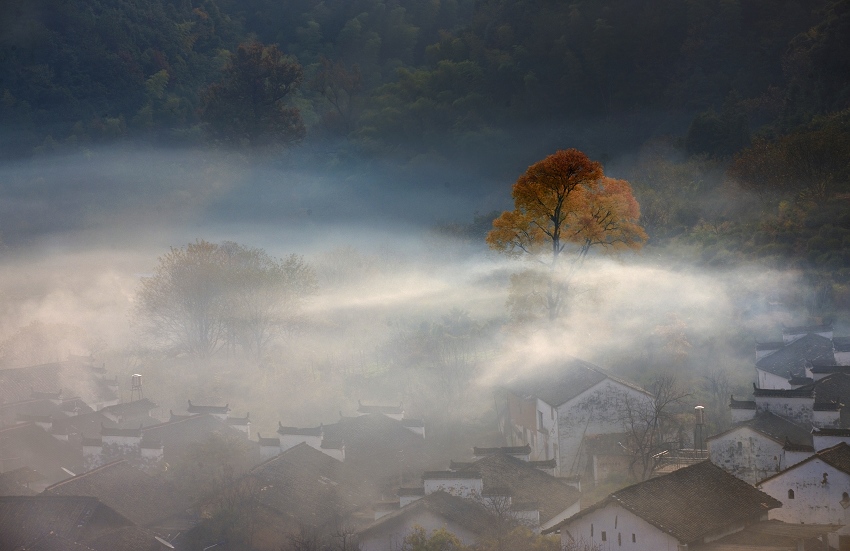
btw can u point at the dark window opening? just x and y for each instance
(634, 539)
(604, 536)
(790, 494)
(619, 539)
(591, 530)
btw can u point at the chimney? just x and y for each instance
(699, 428)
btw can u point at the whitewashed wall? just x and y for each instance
(616, 521)
(769, 380)
(592, 412)
(814, 501)
(746, 454)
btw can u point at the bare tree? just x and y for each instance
(207, 296)
(649, 424)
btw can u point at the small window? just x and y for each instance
(591, 530)
(616, 517)
(604, 536)
(619, 538)
(539, 420)
(790, 494)
(634, 538)
(740, 446)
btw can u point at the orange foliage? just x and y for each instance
(564, 200)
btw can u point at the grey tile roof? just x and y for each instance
(691, 503)
(387, 410)
(464, 512)
(139, 497)
(306, 485)
(136, 408)
(376, 445)
(37, 449)
(774, 427)
(559, 382)
(526, 483)
(790, 360)
(194, 408)
(25, 520)
(176, 436)
(509, 450)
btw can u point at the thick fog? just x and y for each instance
(81, 231)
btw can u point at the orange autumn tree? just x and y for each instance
(564, 207)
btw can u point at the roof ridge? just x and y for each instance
(83, 475)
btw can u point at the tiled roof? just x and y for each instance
(130, 409)
(547, 464)
(114, 431)
(387, 410)
(447, 475)
(194, 408)
(800, 380)
(240, 421)
(775, 427)
(557, 383)
(374, 441)
(827, 406)
(831, 432)
(311, 431)
(526, 483)
(837, 456)
(741, 404)
(841, 344)
(26, 519)
(774, 345)
(308, 486)
(16, 482)
(691, 503)
(802, 392)
(274, 441)
(791, 447)
(176, 436)
(829, 368)
(402, 492)
(811, 328)
(141, 498)
(790, 360)
(464, 512)
(833, 388)
(510, 450)
(37, 449)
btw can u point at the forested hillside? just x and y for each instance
(711, 98)
(426, 74)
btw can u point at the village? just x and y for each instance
(82, 469)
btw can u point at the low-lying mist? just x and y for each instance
(402, 312)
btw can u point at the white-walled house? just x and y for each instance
(815, 491)
(756, 449)
(691, 506)
(467, 519)
(787, 364)
(555, 407)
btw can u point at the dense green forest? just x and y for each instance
(434, 74)
(712, 98)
